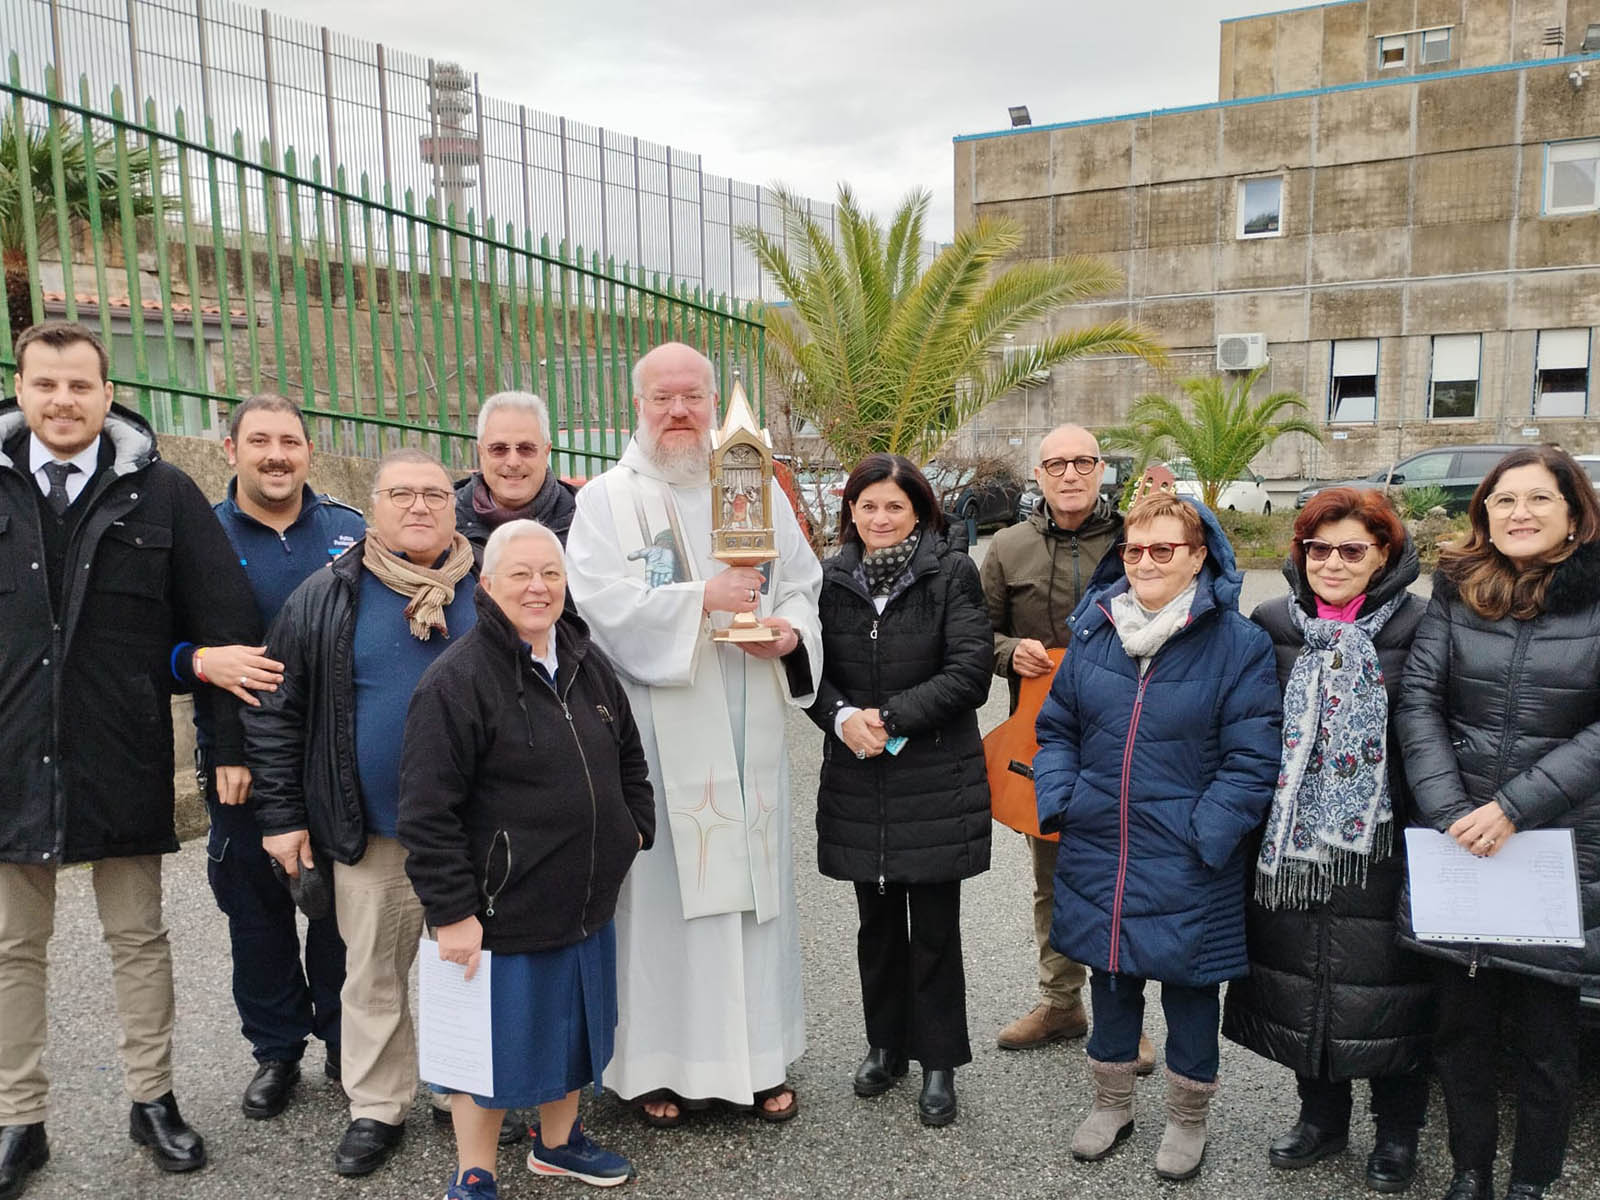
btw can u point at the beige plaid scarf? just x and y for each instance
(430, 588)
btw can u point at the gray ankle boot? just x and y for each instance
(1110, 1121)
(1183, 1144)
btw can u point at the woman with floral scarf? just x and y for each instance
(1330, 994)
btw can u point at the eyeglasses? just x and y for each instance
(1083, 464)
(1503, 504)
(523, 449)
(1160, 552)
(666, 400)
(404, 497)
(1318, 550)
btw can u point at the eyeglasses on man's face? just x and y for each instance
(404, 497)
(523, 449)
(1318, 550)
(1540, 502)
(1082, 464)
(665, 401)
(1160, 552)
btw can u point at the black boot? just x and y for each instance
(366, 1144)
(1392, 1165)
(937, 1104)
(878, 1072)
(1305, 1143)
(268, 1093)
(159, 1125)
(1525, 1191)
(1475, 1183)
(23, 1150)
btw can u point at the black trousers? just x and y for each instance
(1399, 1102)
(1479, 1017)
(913, 987)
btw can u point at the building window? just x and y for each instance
(1435, 46)
(1260, 207)
(1561, 377)
(1392, 51)
(1453, 394)
(1591, 39)
(1572, 176)
(1353, 392)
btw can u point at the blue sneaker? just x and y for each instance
(579, 1159)
(474, 1184)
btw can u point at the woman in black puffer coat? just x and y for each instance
(1499, 719)
(1330, 994)
(903, 807)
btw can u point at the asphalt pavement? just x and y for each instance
(1018, 1110)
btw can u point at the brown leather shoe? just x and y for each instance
(1147, 1057)
(1045, 1024)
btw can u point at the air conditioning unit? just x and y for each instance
(1241, 351)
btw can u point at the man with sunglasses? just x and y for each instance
(354, 640)
(513, 481)
(1033, 577)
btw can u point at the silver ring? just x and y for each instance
(861, 753)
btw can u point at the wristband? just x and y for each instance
(194, 664)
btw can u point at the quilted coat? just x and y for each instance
(1155, 783)
(1330, 992)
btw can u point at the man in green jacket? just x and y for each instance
(1033, 576)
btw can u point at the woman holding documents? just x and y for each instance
(524, 797)
(1330, 995)
(1158, 747)
(1499, 721)
(903, 808)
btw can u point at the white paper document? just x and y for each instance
(1527, 894)
(454, 1048)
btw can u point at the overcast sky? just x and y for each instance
(869, 92)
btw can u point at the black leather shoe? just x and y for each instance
(1392, 1165)
(513, 1127)
(176, 1147)
(1305, 1144)
(877, 1072)
(23, 1150)
(1471, 1184)
(937, 1104)
(268, 1093)
(1525, 1191)
(366, 1144)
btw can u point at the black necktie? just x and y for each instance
(58, 472)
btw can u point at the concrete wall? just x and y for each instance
(1409, 209)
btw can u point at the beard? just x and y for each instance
(688, 462)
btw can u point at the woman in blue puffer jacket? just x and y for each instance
(1158, 752)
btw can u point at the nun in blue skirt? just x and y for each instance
(524, 796)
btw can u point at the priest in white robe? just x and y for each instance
(708, 949)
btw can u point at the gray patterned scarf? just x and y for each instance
(1331, 811)
(880, 568)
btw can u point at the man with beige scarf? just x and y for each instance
(354, 639)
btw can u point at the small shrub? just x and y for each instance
(1414, 503)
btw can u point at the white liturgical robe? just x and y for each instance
(711, 1005)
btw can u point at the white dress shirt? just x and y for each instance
(86, 460)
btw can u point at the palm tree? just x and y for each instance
(883, 355)
(17, 139)
(1220, 435)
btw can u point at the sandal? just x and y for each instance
(780, 1115)
(662, 1120)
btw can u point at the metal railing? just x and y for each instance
(212, 272)
(409, 123)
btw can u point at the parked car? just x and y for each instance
(1112, 483)
(988, 501)
(1457, 470)
(1591, 464)
(1247, 493)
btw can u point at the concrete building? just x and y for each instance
(1395, 202)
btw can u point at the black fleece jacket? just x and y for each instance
(521, 802)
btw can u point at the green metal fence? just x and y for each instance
(211, 274)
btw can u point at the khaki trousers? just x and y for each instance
(380, 919)
(1060, 979)
(127, 892)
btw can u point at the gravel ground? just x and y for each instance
(1017, 1109)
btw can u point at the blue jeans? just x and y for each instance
(1193, 1015)
(280, 1002)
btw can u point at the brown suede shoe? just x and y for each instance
(1147, 1057)
(1045, 1024)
